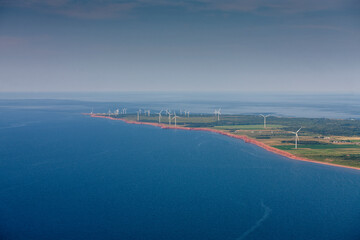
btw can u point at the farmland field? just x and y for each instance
(248, 127)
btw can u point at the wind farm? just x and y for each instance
(321, 140)
(180, 119)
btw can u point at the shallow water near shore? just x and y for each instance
(64, 175)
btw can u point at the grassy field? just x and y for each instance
(249, 127)
(342, 156)
(317, 146)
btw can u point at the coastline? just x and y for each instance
(242, 137)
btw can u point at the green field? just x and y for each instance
(341, 156)
(317, 146)
(248, 127)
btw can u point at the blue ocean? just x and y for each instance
(64, 175)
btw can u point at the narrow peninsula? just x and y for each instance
(333, 142)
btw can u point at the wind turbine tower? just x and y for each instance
(218, 114)
(169, 116)
(265, 116)
(175, 117)
(159, 113)
(138, 115)
(296, 137)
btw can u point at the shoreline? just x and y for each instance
(246, 139)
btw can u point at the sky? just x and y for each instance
(189, 45)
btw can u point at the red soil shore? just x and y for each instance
(242, 137)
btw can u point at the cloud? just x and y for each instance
(324, 27)
(92, 9)
(97, 12)
(10, 41)
(97, 9)
(289, 6)
(34, 3)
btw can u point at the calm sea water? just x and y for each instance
(67, 176)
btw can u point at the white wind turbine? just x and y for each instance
(159, 113)
(138, 115)
(265, 116)
(169, 116)
(296, 137)
(218, 112)
(175, 117)
(92, 111)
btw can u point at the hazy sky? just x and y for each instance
(168, 45)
